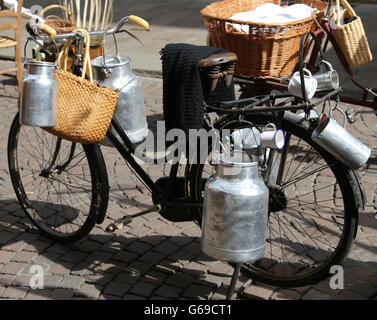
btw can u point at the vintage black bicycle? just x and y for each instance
(314, 199)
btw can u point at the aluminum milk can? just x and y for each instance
(39, 100)
(235, 211)
(115, 72)
(341, 144)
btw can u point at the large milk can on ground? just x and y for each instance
(235, 211)
(115, 72)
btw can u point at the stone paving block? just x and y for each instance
(62, 294)
(139, 231)
(138, 247)
(46, 258)
(21, 242)
(99, 279)
(221, 269)
(37, 246)
(180, 241)
(87, 246)
(194, 268)
(6, 256)
(112, 267)
(166, 248)
(89, 291)
(73, 256)
(316, 295)
(58, 248)
(169, 230)
(98, 257)
(168, 291)
(363, 288)
(220, 293)
(126, 277)
(182, 257)
(38, 294)
(61, 268)
(143, 289)
(24, 256)
(125, 256)
(168, 266)
(13, 268)
(193, 232)
(209, 280)
(52, 281)
(257, 292)
(14, 293)
(350, 295)
(324, 286)
(5, 237)
(111, 247)
(22, 281)
(6, 279)
(83, 269)
(286, 294)
(180, 280)
(195, 291)
(117, 289)
(151, 257)
(155, 277)
(140, 267)
(71, 282)
(153, 238)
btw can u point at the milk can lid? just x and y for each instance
(111, 60)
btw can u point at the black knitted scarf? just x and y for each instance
(182, 86)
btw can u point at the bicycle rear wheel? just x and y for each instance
(315, 227)
(62, 186)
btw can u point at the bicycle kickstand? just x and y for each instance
(235, 276)
(127, 219)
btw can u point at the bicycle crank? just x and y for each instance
(127, 219)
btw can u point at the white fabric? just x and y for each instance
(272, 13)
(11, 4)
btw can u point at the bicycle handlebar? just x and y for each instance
(132, 18)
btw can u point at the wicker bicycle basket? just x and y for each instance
(59, 24)
(267, 50)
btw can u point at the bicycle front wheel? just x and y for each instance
(62, 186)
(313, 210)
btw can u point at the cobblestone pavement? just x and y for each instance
(153, 258)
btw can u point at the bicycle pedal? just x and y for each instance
(119, 224)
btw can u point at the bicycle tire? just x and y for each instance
(76, 193)
(301, 129)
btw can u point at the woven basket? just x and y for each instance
(59, 24)
(269, 50)
(351, 37)
(85, 108)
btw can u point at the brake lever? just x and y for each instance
(43, 48)
(131, 35)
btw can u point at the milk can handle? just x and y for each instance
(42, 46)
(105, 68)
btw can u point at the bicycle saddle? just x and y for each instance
(217, 59)
(217, 66)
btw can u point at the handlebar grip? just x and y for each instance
(47, 29)
(139, 21)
